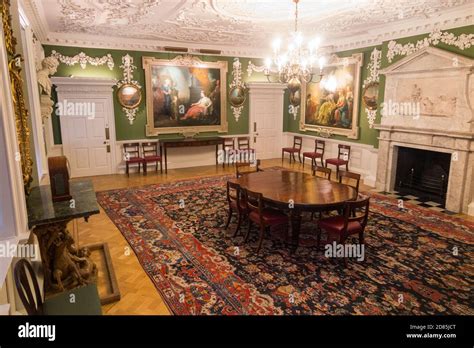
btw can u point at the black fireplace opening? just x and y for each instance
(423, 173)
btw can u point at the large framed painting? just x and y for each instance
(185, 95)
(331, 106)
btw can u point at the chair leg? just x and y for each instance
(303, 161)
(293, 155)
(161, 166)
(299, 156)
(228, 219)
(127, 169)
(248, 232)
(139, 167)
(239, 222)
(145, 167)
(347, 166)
(262, 235)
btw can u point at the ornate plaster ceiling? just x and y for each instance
(248, 25)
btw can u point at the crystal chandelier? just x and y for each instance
(297, 63)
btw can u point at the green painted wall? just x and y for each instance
(124, 130)
(367, 135)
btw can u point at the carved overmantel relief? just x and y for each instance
(428, 104)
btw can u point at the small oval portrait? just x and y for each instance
(295, 98)
(129, 96)
(237, 96)
(370, 96)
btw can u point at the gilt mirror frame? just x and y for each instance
(364, 92)
(137, 90)
(234, 102)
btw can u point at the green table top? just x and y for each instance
(42, 210)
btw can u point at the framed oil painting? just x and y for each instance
(185, 95)
(332, 104)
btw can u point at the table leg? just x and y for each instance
(166, 159)
(65, 266)
(295, 219)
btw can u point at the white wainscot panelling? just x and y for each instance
(363, 157)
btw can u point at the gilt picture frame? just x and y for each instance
(185, 94)
(333, 107)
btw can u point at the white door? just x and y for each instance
(86, 138)
(266, 118)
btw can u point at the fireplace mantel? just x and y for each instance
(437, 78)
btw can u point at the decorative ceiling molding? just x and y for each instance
(462, 42)
(83, 59)
(237, 28)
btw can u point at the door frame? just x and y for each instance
(88, 88)
(267, 89)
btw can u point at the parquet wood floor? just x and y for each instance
(139, 295)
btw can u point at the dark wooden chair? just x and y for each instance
(131, 154)
(319, 146)
(87, 296)
(297, 144)
(351, 179)
(152, 154)
(229, 147)
(25, 276)
(263, 216)
(237, 205)
(243, 143)
(343, 157)
(242, 168)
(322, 172)
(340, 227)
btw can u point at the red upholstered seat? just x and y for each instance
(290, 149)
(269, 216)
(135, 160)
(312, 154)
(336, 161)
(336, 224)
(152, 158)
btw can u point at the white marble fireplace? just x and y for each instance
(428, 105)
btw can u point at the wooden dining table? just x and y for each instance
(296, 192)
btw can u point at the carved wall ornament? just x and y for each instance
(370, 85)
(238, 90)
(83, 59)
(252, 67)
(463, 41)
(129, 90)
(19, 106)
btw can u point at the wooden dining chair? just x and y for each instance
(351, 179)
(228, 147)
(343, 157)
(242, 168)
(236, 204)
(25, 278)
(340, 227)
(297, 144)
(319, 146)
(262, 216)
(243, 143)
(131, 154)
(151, 154)
(322, 172)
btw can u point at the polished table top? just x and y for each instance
(305, 190)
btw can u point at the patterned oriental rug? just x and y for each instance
(416, 261)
